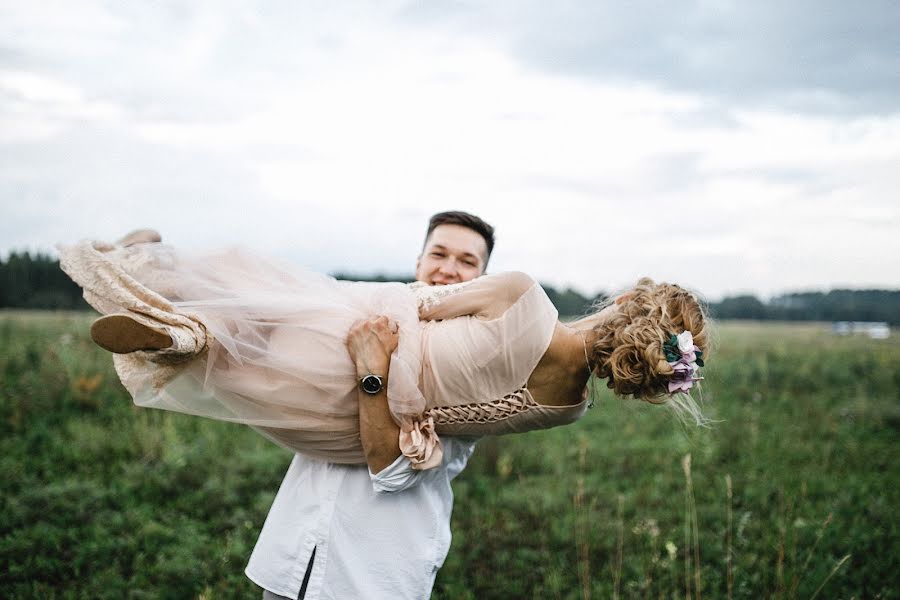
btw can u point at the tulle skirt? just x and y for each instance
(273, 340)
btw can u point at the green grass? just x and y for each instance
(104, 500)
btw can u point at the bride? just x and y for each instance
(232, 336)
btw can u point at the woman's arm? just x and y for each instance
(487, 297)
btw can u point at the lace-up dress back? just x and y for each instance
(475, 369)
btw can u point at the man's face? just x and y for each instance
(452, 254)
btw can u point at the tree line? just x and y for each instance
(35, 281)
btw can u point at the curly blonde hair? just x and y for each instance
(629, 351)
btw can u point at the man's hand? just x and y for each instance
(370, 343)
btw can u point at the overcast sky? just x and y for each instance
(728, 146)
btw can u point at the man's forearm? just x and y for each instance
(378, 432)
(370, 343)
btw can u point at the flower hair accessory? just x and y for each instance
(685, 359)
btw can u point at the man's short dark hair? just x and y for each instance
(464, 219)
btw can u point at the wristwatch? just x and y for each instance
(371, 384)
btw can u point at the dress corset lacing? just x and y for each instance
(515, 403)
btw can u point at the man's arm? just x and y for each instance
(371, 343)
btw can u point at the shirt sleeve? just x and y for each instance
(400, 475)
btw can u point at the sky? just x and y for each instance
(731, 147)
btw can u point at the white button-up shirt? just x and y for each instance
(375, 536)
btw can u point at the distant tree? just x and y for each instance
(36, 281)
(569, 302)
(378, 277)
(739, 307)
(836, 305)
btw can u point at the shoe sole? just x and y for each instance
(121, 334)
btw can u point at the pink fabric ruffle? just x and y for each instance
(420, 444)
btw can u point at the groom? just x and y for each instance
(380, 530)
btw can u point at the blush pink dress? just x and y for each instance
(265, 345)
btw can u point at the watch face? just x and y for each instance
(371, 384)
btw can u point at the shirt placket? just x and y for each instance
(322, 532)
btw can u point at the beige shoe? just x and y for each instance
(122, 334)
(140, 236)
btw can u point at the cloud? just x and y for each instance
(329, 141)
(811, 55)
(91, 180)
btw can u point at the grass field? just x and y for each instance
(793, 494)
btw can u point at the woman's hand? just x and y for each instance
(371, 343)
